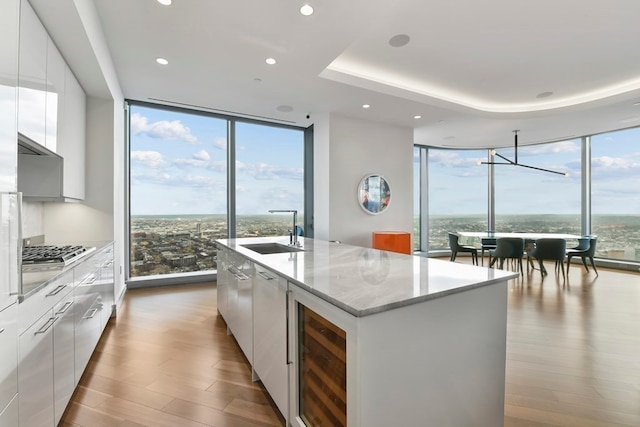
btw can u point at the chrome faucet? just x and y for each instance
(293, 236)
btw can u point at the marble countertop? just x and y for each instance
(34, 279)
(364, 281)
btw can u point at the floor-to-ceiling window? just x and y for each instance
(615, 194)
(533, 200)
(417, 191)
(600, 195)
(181, 184)
(457, 194)
(269, 176)
(178, 188)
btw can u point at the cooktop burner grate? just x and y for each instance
(50, 254)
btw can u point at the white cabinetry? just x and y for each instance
(87, 312)
(63, 355)
(106, 284)
(35, 373)
(72, 137)
(32, 76)
(240, 302)
(8, 360)
(59, 327)
(9, 18)
(55, 94)
(222, 285)
(270, 335)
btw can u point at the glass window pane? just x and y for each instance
(457, 194)
(416, 198)
(615, 194)
(269, 175)
(537, 201)
(178, 202)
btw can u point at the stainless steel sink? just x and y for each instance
(271, 248)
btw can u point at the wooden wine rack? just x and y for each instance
(323, 371)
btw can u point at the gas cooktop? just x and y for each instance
(52, 255)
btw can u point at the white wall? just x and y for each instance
(356, 148)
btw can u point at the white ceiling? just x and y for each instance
(473, 70)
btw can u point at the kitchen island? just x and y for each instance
(364, 337)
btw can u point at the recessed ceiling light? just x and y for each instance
(366, 106)
(270, 61)
(399, 40)
(165, 2)
(417, 117)
(162, 61)
(306, 10)
(544, 95)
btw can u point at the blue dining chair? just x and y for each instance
(584, 253)
(550, 250)
(507, 248)
(457, 247)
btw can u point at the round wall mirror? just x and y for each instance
(374, 194)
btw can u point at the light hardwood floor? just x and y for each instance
(573, 359)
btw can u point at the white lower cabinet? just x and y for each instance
(86, 312)
(270, 335)
(8, 360)
(46, 367)
(240, 302)
(63, 356)
(35, 373)
(222, 285)
(54, 349)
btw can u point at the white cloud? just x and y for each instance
(165, 130)
(220, 143)
(553, 148)
(266, 172)
(152, 159)
(607, 164)
(202, 155)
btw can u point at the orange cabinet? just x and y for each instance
(395, 241)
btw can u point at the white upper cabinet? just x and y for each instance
(72, 137)
(56, 68)
(32, 76)
(9, 17)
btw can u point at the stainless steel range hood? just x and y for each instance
(40, 171)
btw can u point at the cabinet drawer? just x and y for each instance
(86, 272)
(32, 308)
(8, 356)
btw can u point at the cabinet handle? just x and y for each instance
(90, 279)
(56, 291)
(65, 307)
(289, 362)
(1, 330)
(265, 275)
(90, 316)
(46, 326)
(239, 274)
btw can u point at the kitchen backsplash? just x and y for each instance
(32, 219)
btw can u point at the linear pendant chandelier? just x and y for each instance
(515, 162)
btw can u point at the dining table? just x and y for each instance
(528, 235)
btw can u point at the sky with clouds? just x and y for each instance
(459, 186)
(179, 165)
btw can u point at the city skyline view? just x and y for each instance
(186, 243)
